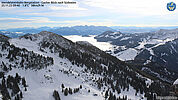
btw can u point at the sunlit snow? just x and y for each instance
(101, 45)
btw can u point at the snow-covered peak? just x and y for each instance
(116, 33)
(165, 33)
(50, 37)
(107, 32)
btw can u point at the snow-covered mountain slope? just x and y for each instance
(154, 48)
(128, 54)
(42, 83)
(46, 61)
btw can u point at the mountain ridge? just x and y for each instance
(74, 30)
(87, 65)
(152, 48)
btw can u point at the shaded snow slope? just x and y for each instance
(128, 54)
(43, 82)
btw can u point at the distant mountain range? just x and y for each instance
(132, 29)
(79, 30)
(75, 30)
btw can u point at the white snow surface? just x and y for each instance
(101, 45)
(176, 82)
(42, 83)
(41, 86)
(128, 54)
(125, 38)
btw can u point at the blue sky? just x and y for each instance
(91, 12)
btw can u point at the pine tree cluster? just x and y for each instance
(10, 87)
(69, 90)
(22, 58)
(118, 76)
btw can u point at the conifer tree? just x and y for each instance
(66, 92)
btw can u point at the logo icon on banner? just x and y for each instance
(171, 6)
